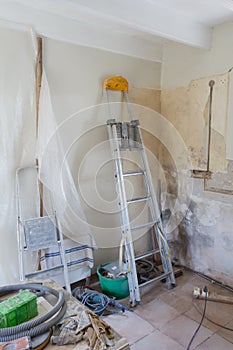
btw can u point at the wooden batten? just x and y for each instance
(39, 71)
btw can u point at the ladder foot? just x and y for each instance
(134, 303)
(171, 286)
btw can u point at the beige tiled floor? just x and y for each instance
(167, 319)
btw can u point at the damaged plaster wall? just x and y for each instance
(188, 109)
(203, 239)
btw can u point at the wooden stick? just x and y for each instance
(38, 88)
(39, 71)
(217, 298)
(38, 80)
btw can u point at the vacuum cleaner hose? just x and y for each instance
(40, 324)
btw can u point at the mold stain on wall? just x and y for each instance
(203, 240)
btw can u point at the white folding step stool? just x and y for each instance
(35, 232)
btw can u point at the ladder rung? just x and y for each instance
(44, 271)
(152, 252)
(158, 278)
(25, 248)
(139, 148)
(148, 224)
(133, 172)
(139, 199)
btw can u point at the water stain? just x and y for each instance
(227, 240)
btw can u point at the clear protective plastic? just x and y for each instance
(54, 173)
(19, 149)
(17, 133)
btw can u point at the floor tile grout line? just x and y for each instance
(203, 342)
(177, 341)
(174, 340)
(182, 314)
(172, 319)
(144, 319)
(211, 337)
(144, 336)
(159, 327)
(226, 330)
(215, 332)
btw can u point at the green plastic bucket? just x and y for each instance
(118, 287)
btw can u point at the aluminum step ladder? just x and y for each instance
(36, 232)
(126, 136)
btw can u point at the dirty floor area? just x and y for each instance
(167, 319)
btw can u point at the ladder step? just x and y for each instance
(158, 278)
(148, 224)
(44, 271)
(133, 172)
(152, 252)
(139, 199)
(122, 149)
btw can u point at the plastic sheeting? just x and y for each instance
(17, 134)
(18, 146)
(55, 174)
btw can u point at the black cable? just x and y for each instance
(216, 323)
(202, 319)
(210, 279)
(144, 266)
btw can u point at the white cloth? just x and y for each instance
(76, 255)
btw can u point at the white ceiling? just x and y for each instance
(132, 27)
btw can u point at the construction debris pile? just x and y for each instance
(77, 328)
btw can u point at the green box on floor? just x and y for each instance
(18, 309)
(29, 300)
(8, 315)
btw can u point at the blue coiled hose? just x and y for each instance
(96, 301)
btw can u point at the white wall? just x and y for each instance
(75, 75)
(183, 63)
